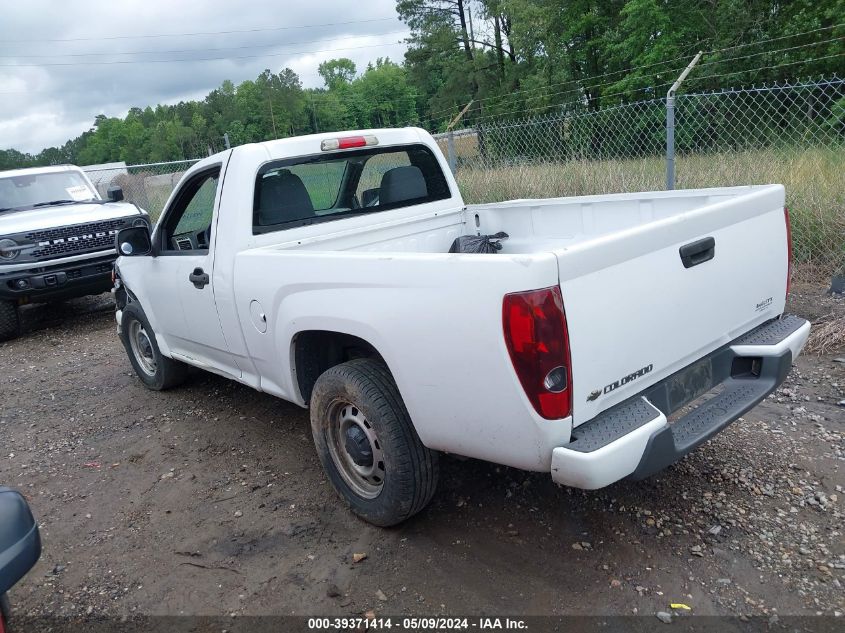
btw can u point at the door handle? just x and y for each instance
(698, 252)
(198, 278)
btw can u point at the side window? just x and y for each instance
(187, 226)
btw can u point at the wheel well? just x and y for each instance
(315, 351)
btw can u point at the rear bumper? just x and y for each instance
(635, 439)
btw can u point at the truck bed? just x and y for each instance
(630, 304)
(560, 223)
(533, 225)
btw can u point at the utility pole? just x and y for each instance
(670, 123)
(314, 115)
(471, 30)
(272, 118)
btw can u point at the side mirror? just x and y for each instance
(20, 542)
(115, 193)
(369, 196)
(134, 241)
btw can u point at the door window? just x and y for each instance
(187, 226)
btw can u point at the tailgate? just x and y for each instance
(637, 311)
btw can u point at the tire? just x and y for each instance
(5, 608)
(10, 321)
(155, 370)
(356, 406)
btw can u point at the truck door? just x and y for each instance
(180, 278)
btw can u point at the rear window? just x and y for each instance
(332, 186)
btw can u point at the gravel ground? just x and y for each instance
(209, 499)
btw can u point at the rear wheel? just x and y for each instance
(155, 370)
(367, 444)
(10, 322)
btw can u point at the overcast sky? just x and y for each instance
(44, 105)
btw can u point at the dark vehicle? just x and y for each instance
(20, 545)
(56, 238)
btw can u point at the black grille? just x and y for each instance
(69, 240)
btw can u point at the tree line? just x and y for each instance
(502, 58)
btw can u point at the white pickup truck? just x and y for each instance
(603, 337)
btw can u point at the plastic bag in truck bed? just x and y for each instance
(478, 243)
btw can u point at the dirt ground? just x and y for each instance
(209, 499)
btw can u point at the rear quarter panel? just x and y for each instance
(437, 321)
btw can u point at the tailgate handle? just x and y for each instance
(698, 252)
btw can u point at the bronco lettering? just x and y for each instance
(77, 238)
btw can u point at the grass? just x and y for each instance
(814, 180)
(827, 335)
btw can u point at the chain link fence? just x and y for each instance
(792, 134)
(148, 186)
(788, 134)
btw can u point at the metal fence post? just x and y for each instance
(670, 142)
(450, 138)
(670, 123)
(450, 147)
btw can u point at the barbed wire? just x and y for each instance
(571, 81)
(497, 99)
(693, 79)
(101, 37)
(772, 52)
(835, 80)
(661, 63)
(194, 59)
(776, 39)
(632, 91)
(204, 50)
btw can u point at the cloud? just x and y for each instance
(44, 105)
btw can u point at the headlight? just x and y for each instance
(140, 222)
(8, 249)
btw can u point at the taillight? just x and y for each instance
(788, 249)
(348, 142)
(538, 343)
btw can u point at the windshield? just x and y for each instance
(23, 191)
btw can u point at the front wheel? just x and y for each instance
(367, 444)
(10, 322)
(155, 370)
